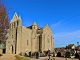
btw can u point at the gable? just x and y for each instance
(47, 29)
(15, 18)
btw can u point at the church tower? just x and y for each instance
(34, 37)
(12, 39)
(34, 26)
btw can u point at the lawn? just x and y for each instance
(21, 58)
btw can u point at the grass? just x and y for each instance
(21, 58)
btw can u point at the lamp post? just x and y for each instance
(79, 53)
(78, 49)
(65, 53)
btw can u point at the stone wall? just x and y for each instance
(0, 51)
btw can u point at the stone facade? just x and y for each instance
(1, 51)
(26, 39)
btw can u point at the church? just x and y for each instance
(26, 39)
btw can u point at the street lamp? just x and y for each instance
(79, 53)
(78, 50)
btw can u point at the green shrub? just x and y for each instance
(53, 58)
(42, 55)
(21, 58)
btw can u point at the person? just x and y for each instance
(49, 55)
(37, 55)
(53, 54)
(30, 54)
(46, 53)
(33, 55)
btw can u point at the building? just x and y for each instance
(26, 39)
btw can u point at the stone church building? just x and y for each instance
(26, 39)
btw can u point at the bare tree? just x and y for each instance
(3, 22)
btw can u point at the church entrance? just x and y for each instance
(4, 51)
(11, 49)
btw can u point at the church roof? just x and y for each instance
(34, 24)
(30, 27)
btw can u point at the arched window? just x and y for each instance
(14, 24)
(12, 36)
(34, 27)
(48, 38)
(17, 23)
(27, 42)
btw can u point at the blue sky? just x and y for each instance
(63, 17)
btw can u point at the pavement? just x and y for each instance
(8, 57)
(12, 57)
(56, 58)
(59, 58)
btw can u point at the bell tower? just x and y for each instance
(12, 39)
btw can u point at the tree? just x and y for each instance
(3, 22)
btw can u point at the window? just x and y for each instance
(48, 38)
(14, 24)
(8, 41)
(17, 23)
(12, 36)
(27, 42)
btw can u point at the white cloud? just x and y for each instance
(60, 23)
(55, 25)
(69, 35)
(64, 38)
